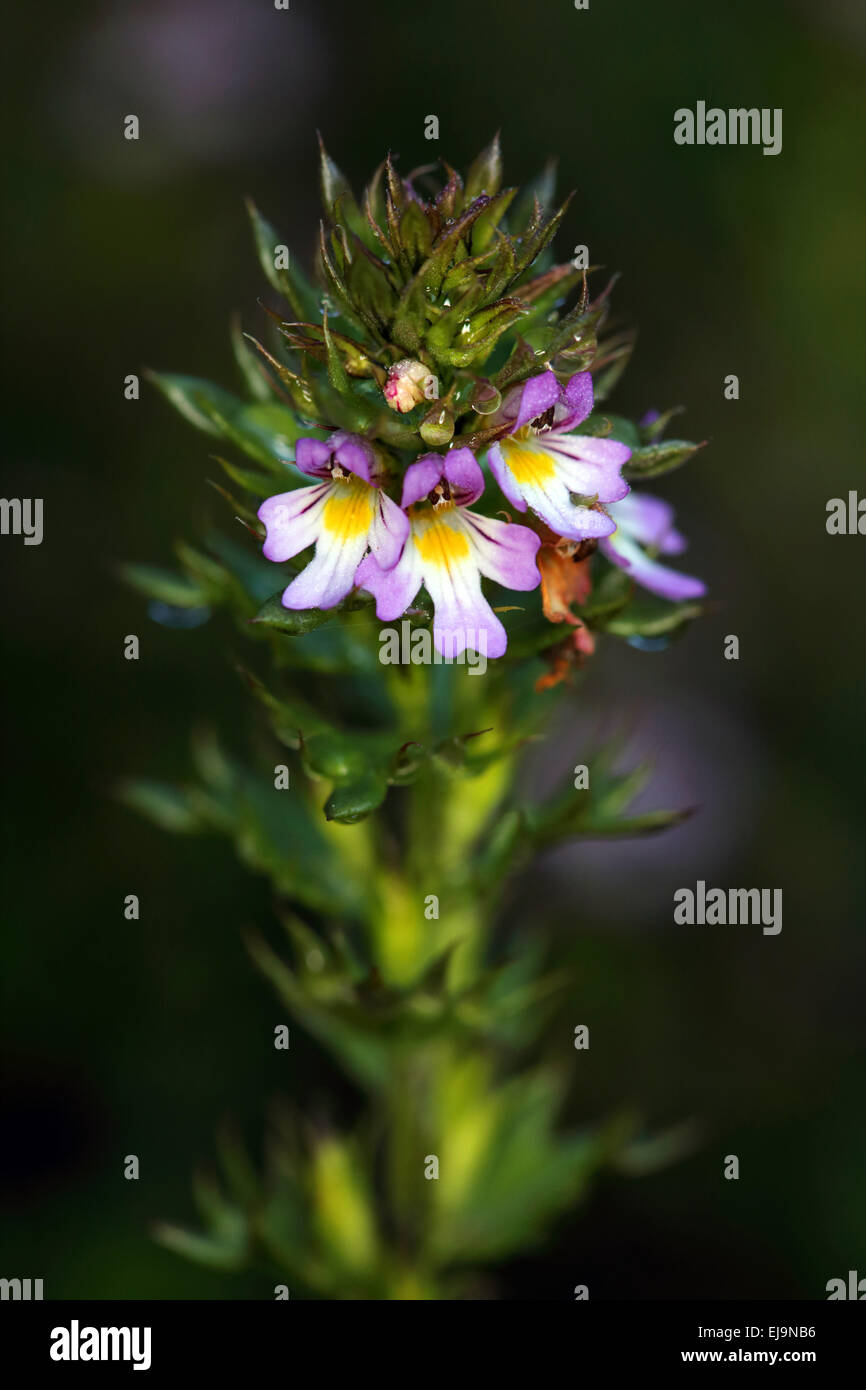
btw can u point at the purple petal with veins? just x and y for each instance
(538, 394)
(463, 473)
(420, 479)
(313, 457)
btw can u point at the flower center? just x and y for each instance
(542, 423)
(439, 543)
(348, 511)
(441, 496)
(528, 464)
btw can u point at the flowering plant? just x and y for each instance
(425, 444)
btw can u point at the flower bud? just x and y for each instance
(437, 427)
(409, 383)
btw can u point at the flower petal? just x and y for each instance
(659, 579)
(346, 520)
(502, 473)
(650, 521)
(576, 401)
(545, 478)
(462, 616)
(504, 552)
(395, 588)
(538, 394)
(313, 457)
(292, 520)
(588, 466)
(463, 473)
(388, 532)
(553, 504)
(355, 455)
(329, 576)
(421, 477)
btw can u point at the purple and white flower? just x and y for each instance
(345, 515)
(539, 463)
(449, 549)
(643, 520)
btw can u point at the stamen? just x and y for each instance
(543, 422)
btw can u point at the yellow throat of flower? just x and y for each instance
(438, 541)
(528, 464)
(348, 511)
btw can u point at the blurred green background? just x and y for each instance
(135, 1037)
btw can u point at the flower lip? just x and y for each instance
(536, 396)
(644, 520)
(538, 461)
(334, 457)
(543, 404)
(458, 472)
(449, 550)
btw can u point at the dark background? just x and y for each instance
(135, 1037)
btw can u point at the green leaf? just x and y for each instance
(259, 484)
(354, 799)
(298, 387)
(241, 558)
(539, 234)
(611, 361)
(651, 460)
(609, 595)
(485, 172)
(290, 283)
(253, 375)
(651, 617)
(337, 374)
(241, 512)
(620, 429)
(296, 622)
(647, 823)
(223, 1253)
(415, 234)
(365, 1056)
(241, 1176)
(177, 589)
(592, 812)
(166, 806)
(291, 718)
(337, 196)
(293, 622)
(484, 228)
(264, 430)
(541, 189)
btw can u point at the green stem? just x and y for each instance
(446, 813)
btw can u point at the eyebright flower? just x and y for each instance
(345, 515)
(408, 384)
(644, 520)
(538, 463)
(448, 550)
